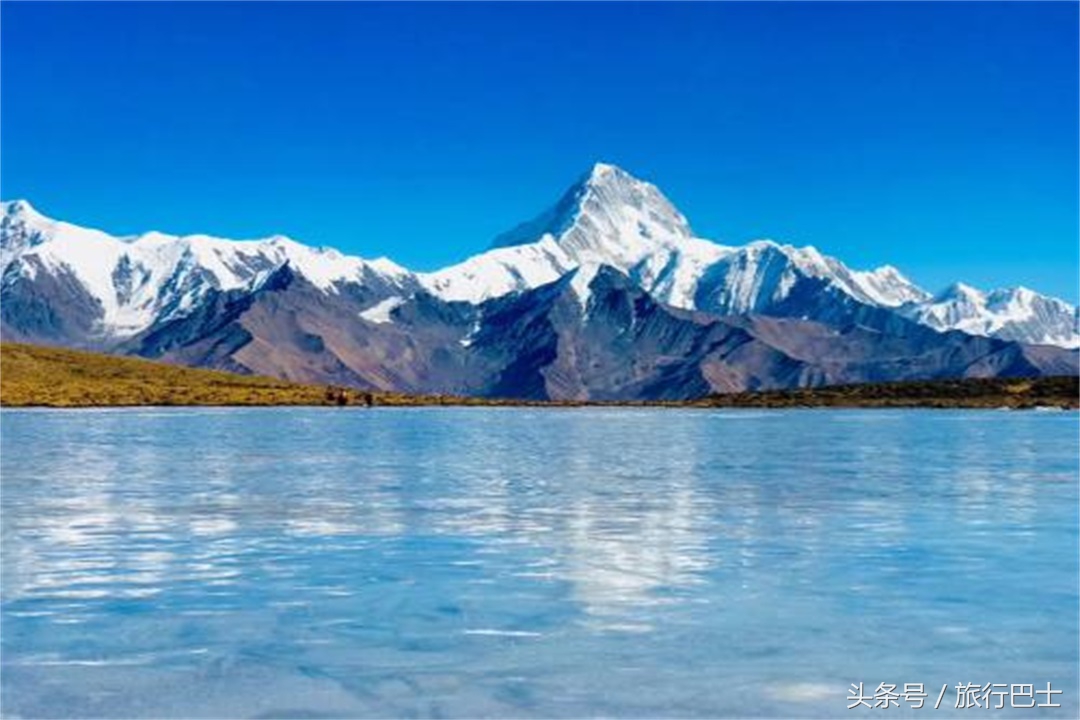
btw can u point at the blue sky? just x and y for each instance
(939, 137)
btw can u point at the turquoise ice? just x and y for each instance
(531, 562)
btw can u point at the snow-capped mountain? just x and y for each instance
(1011, 314)
(607, 218)
(760, 276)
(609, 293)
(611, 218)
(127, 284)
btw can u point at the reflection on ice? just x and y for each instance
(522, 563)
(615, 563)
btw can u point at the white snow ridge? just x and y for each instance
(608, 217)
(149, 278)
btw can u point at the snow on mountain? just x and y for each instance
(380, 312)
(1011, 314)
(886, 286)
(607, 218)
(143, 279)
(762, 274)
(611, 218)
(500, 271)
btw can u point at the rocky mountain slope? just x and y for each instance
(607, 295)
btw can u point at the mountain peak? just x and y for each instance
(18, 208)
(21, 226)
(602, 171)
(604, 174)
(607, 215)
(560, 217)
(959, 291)
(1020, 292)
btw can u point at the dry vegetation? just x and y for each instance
(1018, 393)
(51, 377)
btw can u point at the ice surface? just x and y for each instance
(431, 563)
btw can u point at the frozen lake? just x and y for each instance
(532, 562)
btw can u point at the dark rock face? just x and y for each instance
(48, 308)
(547, 343)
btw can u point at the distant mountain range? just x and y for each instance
(607, 295)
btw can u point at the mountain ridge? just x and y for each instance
(607, 217)
(525, 311)
(47, 377)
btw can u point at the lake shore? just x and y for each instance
(34, 376)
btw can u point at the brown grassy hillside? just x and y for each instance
(39, 376)
(51, 377)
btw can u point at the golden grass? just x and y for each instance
(34, 376)
(53, 377)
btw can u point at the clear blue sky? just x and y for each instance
(939, 137)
